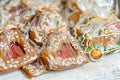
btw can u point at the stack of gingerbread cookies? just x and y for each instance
(39, 36)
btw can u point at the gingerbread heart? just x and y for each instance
(15, 51)
(62, 52)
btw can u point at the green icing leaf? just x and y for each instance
(118, 45)
(111, 49)
(94, 45)
(88, 49)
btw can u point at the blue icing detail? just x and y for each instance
(98, 46)
(91, 47)
(105, 49)
(118, 41)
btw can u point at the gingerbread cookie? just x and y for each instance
(12, 5)
(22, 18)
(72, 4)
(15, 51)
(35, 69)
(100, 8)
(62, 52)
(38, 39)
(98, 38)
(73, 18)
(51, 20)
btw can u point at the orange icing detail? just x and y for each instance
(96, 54)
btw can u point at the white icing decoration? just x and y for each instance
(40, 37)
(34, 70)
(11, 36)
(27, 48)
(55, 42)
(3, 46)
(28, 59)
(66, 61)
(12, 63)
(52, 19)
(2, 64)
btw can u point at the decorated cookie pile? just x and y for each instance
(98, 38)
(38, 36)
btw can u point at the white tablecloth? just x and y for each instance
(106, 69)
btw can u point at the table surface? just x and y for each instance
(106, 69)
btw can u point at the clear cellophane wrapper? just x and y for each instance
(62, 52)
(38, 40)
(99, 34)
(117, 8)
(25, 20)
(100, 7)
(15, 51)
(83, 11)
(35, 69)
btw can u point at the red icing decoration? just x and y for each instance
(15, 50)
(67, 51)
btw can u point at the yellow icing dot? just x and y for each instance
(85, 32)
(106, 31)
(77, 27)
(90, 38)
